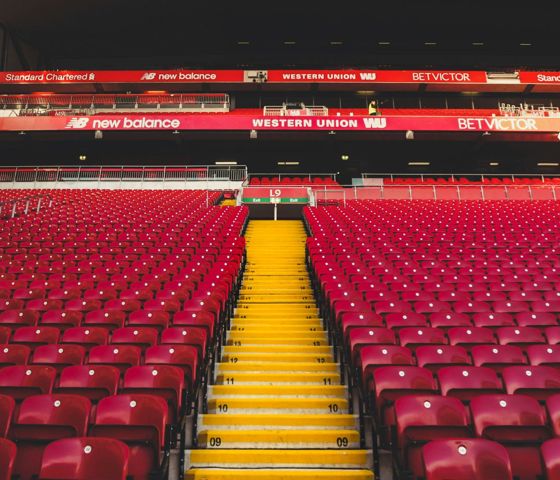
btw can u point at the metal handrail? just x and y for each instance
(119, 173)
(430, 192)
(453, 176)
(279, 176)
(36, 104)
(11, 212)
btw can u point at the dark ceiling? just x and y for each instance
(396, 33)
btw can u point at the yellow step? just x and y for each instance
(293, 330)
(267, 378)
(230, 367)
(276, 349)
(273, 334)
(310, 458)
(272, 289)
(274, 317)
(339, 391)
(277, 474)
(272, 421)
(279, 298)
(282, 438)
(266, 279)
(278, 307)
(263, 270)
(277, 357)
(225, 405)
(271, 340)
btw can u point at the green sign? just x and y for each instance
(275, 200)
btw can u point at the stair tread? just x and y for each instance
(278, 474)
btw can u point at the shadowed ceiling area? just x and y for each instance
(169, 33)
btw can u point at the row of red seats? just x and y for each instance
(181, 347)
(139, 420)
(544, 322)
(468, 181)
(464, 383)
(292, 181)
(109, 292)
(518, 422)
(367, 357)
(76, 457)
(442, 298)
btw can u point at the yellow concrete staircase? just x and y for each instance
(277, 409)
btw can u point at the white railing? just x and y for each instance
(282, 111)
(64, 104)
(305, 178)
(526, 110)
(455, 177)
(340, 196)
(191, 173)
(22, 206)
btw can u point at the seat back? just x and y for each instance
(465, 459)
(139, 421)
(21, 381)
(8, 452)
(85, 458)
(91, 381)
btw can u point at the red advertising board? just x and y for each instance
(375, 76)
(364, 76)
(122, 76)
(211, 122)
(241, 76)
(546, 78)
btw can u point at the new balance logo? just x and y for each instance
(148, 76)
(77, 122)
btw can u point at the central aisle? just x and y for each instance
(277, 409)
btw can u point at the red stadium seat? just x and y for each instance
(85, 458)
(544, 355)
(434, 357)
(42, 419)
(109, 319)
(35, 336)
(61, 319)
(140, 422)
(19, 318)
(8, 451)
(468, 337)
(516, 421)
(58, 356)
(539, 382)
(412, 337)
(163, 380)
(7, 406)
(550, 453)
(497, 357)
(392, 382)
(465, 459)
(22, 381)
(92, 381)
(14, 355)
(186, 336)
(119, 356)
(183, 356)
(465, 382)
(520, 336)
(142, 337)
(372, 357)
(87, 337)
(422, 418)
